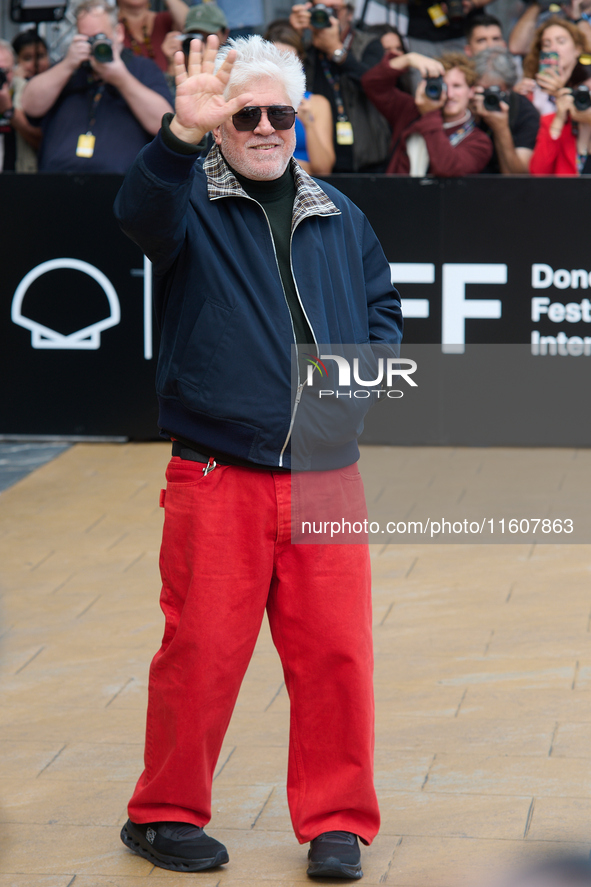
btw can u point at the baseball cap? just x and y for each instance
(206, 17)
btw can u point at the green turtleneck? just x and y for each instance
(276, 197)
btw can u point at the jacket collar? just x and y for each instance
(310, 199)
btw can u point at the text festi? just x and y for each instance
(386, 371)
(543, 308)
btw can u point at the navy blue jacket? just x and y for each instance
(224, 378)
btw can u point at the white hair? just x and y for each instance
(85, 7)
(258, 59)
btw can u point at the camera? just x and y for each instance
(434, 86)
(101, 48)
(320, 16)
(582, 97)
(493, 96)
(3, 77)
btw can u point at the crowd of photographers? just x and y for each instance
(449, 98)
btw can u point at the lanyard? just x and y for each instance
(94, 105)
(336, 88)
(334, 81)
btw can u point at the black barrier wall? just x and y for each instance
(477, 261)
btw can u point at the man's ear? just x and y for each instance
(217, 134)
(468, 50)
(120, 33)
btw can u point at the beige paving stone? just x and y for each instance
(78, 802)
(508, 703)
(560, 820)
(106, 761)
(413, 699)
(572, 741)
(454, 815)
(511, 775)
(466, 736)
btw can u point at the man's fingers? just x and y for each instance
(241, 101)
(180, 71)
(210, 51)
(195, 61)
(226, 68)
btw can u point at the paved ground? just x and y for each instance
(19, 459)
(483, 689)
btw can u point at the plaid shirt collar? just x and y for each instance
(310, 199)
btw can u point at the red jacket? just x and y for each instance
(554, 157)
(469, 157)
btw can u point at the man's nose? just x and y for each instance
(263, 127)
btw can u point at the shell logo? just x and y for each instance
(87, 338)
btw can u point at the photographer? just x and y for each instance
(577, 12)
(100, 105)
(564, 140)
(334, 64)
(508, 118)
(431, 134)
(556, 60)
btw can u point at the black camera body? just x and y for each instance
(582, 97)
(493, 96)
(101, 48)
(3, 77)
(320, 16)
(434, 87)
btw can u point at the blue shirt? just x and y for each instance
(118, 133)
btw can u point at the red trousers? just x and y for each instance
(226, 556)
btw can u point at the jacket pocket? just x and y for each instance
(201, 347)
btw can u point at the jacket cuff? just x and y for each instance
(169, 158)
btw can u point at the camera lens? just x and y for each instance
(582, 97)
(101, 48)
(434, 88)
(319, 17)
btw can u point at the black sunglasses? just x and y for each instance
(279, 116)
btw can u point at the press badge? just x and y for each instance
(85, 146)
(344, 132)
(438, 17)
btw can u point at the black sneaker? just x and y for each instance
(335, 855)
(178, 846)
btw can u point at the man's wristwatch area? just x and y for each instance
(339, 56)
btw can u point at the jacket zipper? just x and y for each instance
(300, 384)
(300, 387)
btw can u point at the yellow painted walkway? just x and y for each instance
(483, 691)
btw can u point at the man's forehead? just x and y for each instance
(481, 32)
(455, 75)
(96, 22)
(263, 91)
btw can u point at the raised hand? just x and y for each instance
(200, 104)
